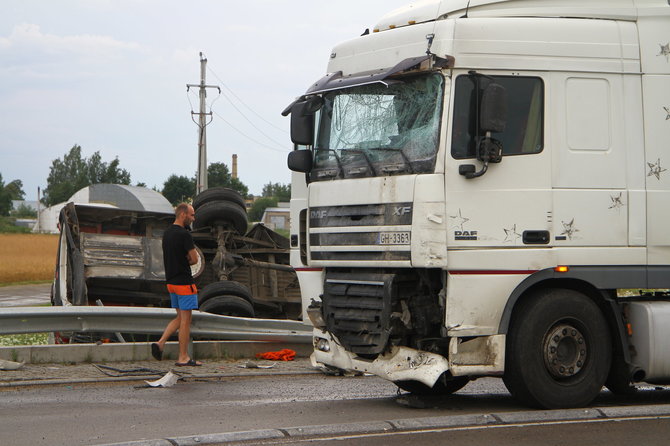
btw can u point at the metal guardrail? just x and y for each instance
(148, 321)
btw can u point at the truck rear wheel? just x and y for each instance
(558, 350)
(222, 213)
(443, 386)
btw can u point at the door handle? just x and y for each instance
(535, 237)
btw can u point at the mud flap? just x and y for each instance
(484, 355)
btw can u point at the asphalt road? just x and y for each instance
(647, 432)
(25, 295)
(103, 414)
(339, 410)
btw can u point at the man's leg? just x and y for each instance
(172, 326)
(184, 335)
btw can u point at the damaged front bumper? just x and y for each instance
(399, 364)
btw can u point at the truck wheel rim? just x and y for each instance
(565, 351)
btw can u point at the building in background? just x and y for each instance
(277, 217)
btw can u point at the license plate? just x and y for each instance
(394, 238)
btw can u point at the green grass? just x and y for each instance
(24, 339)
(7, 226)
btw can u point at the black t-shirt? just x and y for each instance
(177, 242)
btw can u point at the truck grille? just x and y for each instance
(357, 309)
(371, 232)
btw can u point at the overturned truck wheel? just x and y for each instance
(224, 213)
(228, 306)
(226, 298)
(218, 194)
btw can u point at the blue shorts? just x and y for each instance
(183, 297)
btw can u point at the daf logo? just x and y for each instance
(402, 210)
(318, 214)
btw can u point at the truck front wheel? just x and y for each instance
(558, 350)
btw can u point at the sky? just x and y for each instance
(111, 76)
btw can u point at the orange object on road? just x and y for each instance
(282, 355)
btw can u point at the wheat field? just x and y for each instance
(27, 257)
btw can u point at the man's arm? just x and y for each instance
(192, 257)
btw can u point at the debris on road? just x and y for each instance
(282, 355)
(254, 365)
(115, 372)
(169, 380)
(10, 365)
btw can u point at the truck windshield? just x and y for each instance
(377, 130)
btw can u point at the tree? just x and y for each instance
(73, 173)
(101, 172)
(178, 188)
(24, 211)
(15, 190)
(259, 206)
(282, 192)
(8, 192)
(5, 199)
(218, 175)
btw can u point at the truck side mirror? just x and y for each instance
(492, 119)
(300, 161)
(302, 120)
(493, 116)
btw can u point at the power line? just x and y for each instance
(250, 122)
(249, 137)
(243, 103)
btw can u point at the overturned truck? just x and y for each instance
(112, 256)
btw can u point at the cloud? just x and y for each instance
(29, 51)
(29, 35)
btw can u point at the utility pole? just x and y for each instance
(39, 228)
(201, 180)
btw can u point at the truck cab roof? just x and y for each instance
(432, 10)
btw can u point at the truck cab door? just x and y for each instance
(510, 205)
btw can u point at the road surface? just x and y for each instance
(25, 295)
(103, 414)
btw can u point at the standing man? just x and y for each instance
(178, 255)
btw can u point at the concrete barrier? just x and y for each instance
(141, 351)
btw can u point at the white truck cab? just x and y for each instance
(485, 192)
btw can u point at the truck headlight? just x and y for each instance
(322, 344)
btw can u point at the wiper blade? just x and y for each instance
(402, 154)
(331, 172)
(365, 156)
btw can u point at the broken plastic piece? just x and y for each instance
(253, 365)
(169, 380)
(10, 365)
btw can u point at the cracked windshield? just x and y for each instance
(375, 130)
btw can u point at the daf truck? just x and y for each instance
(486, 192)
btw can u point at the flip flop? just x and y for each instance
(156, 352)
(190, 363)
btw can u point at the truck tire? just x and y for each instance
(228, 306)
(224, 288)
(221, 213)
(442, 386)
(558, 350)
(219, 194)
